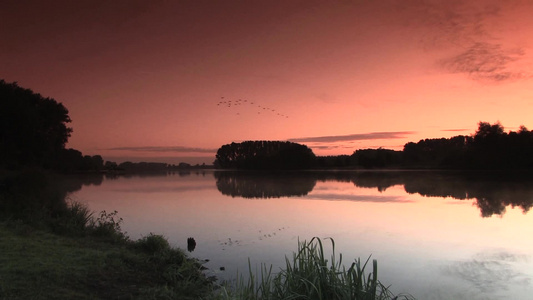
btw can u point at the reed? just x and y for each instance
(310, 275)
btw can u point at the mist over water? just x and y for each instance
(435, 235)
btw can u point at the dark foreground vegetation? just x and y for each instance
(53, 249)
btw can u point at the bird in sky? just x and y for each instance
(247, 105)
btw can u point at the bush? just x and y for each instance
(153, 243)
(108, 225)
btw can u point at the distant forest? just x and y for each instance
(489, 148)
(34, 131)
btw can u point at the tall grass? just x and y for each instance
(310, 275)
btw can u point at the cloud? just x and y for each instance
(163, 149)
(485, 61)
(327, 98)
(354, 137)
(448, 23)
(473, 29)
(455, 130)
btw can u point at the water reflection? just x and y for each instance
(425, 246)
(264, 185)
(493, 192)
(490, 272)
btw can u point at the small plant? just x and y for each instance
(153, 243)
(73, 220)
(109, 225)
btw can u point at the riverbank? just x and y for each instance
(51, 248)
(36, 264)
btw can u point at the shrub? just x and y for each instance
(108, 225)
(153, 243)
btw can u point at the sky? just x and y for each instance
(173, 81)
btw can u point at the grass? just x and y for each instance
(309, 275)
(35, 264)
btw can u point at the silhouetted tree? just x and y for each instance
(33, 129)
(265, 155)
(110, 166)
(436, 153)
(334, 161)
(492, 148)
(377, 158)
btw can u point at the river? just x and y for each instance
(435, 235)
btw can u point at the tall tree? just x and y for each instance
(33, 129)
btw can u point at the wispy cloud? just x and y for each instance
(455, 130)
(330, 147)
(486, 61)
(179, 149)
(354, 137)
(452, 23)
(482, 52)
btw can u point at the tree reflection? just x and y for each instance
(264, 185)
(493, 192)
(34, 196)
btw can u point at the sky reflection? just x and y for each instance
(423, 244)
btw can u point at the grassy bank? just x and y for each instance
(35, 264)
(51, 248)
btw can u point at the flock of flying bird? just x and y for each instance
(261, 109)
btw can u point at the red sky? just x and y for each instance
(142, 79)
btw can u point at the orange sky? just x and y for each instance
(142, 79)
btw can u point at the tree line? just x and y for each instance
(490, 147)
(34, 131)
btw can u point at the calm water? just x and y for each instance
(435, 235)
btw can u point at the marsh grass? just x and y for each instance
(310, 275)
